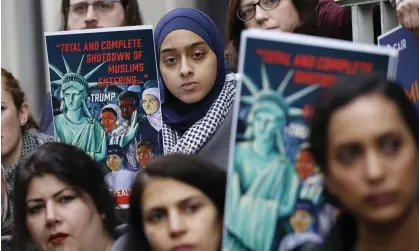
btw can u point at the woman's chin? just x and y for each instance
(385, 215)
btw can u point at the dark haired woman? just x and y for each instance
(365, 138)
(177, 208)
(63, 202)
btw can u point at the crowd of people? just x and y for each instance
(58, 196)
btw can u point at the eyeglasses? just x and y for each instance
(248, 11)
(102, 7)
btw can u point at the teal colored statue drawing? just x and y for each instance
(263, 186)
(76, 125)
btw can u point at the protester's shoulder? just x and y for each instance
(44, 138)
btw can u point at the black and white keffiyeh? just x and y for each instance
(196, 136)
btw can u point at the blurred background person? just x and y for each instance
(196, 95)
(296, 16)
(90, 14)
(18, 134)
(177, 207)
(62, 202)
(365, 138)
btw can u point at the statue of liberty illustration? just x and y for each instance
(76, 125)
(263, 186)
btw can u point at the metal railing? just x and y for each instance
(362, 18)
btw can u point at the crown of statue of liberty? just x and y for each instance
(275, 96)
(74, 77)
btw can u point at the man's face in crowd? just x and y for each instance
(89, 14)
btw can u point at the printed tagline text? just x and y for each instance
(312, 69)
(117, 63)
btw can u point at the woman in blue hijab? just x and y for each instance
(196, 94)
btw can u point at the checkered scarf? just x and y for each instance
(30, 143)
(196, 136)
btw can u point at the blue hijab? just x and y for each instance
(177, 114)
